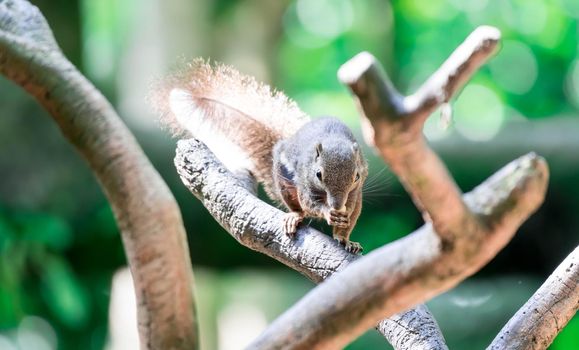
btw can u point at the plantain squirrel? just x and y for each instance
(314, 167)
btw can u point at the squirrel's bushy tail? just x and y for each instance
(239, 119)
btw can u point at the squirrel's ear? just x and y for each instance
(318, 149)
(356, 150)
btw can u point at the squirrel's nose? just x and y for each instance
(336, 202)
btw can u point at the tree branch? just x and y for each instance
(397, 133)
(464, 234)
(146, 212)
(413, 269)
(413, 330)
(546, 313)
(255, 224)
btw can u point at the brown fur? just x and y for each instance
(244, 111)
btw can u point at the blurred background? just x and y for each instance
(59, 245)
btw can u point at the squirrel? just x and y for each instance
(313, 167)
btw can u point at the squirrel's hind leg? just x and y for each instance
(296, 215)
(285, 187)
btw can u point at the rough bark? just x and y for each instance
(413, 269)
(415, 329)
(462, 234)
(256, 225)
(393, 124)
(546, 313)
(146, 212)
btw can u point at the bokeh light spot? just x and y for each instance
(429, 10)
(434, 129)
(572, 83)
(373, 17)
(35, 333)
(296, 32)
(335, 104)
(239, 324)
(571, 7)
(557, 24)
(479, 113)
(515, 68)
(528, 17)
(7, 344)
(470, 6)
(325, 18)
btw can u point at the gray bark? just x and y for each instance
(461, 235)
(413, 269)
(546, 313)
(257, 225)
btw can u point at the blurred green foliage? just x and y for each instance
(38, 277)
(568, 338)
(59, 245)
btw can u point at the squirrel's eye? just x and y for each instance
(319, 175)
(357, 177)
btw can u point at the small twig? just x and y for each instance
(146, 212)
(476, 49)
(546, 313)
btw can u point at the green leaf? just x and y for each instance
(63, 293)
(48, 230)
(6, 233)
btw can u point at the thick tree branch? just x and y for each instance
(413, 269)
(146, 212)
(255, 225)
(397, 133)
(464, 234)
(546, 313)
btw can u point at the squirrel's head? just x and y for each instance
(339, 168)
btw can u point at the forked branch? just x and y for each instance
(397, 132)
(413, 269)
(463, 234)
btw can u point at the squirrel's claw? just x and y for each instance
(352, 247)
(291, 221)
(338, 218)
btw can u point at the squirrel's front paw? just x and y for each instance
(352, 247)
(291, 221)
(337, 218)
